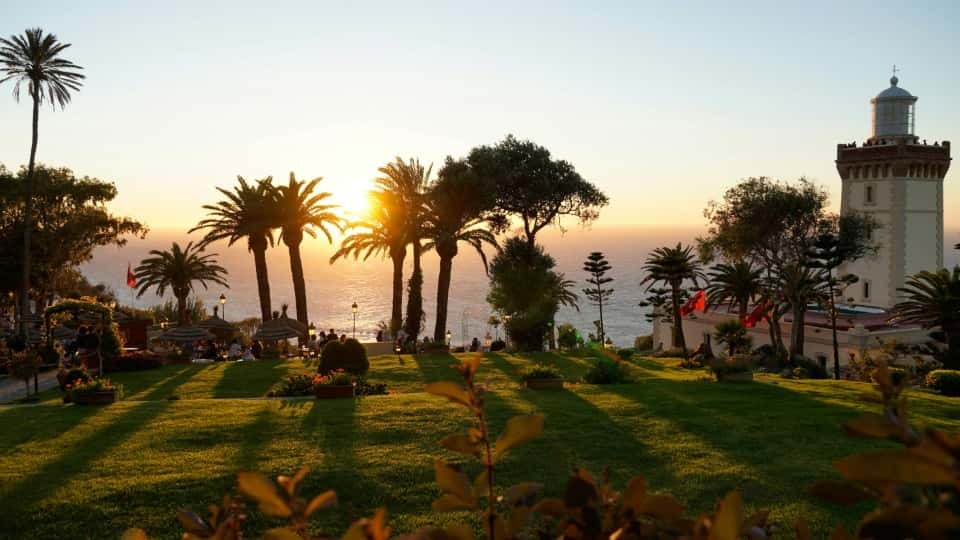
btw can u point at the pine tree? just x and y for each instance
(597, 266)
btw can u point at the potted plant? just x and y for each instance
(541, 377)
(334, 385)
(98, 391)
(732, 370)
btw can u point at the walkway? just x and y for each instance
(13, 389)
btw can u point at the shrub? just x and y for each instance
(111, 346)
(364, 388)
(567, 336)
(540, 371)
(734, 335)
(337, 377)
(801, 373)
(434, 347)
(814, 369)
(99, 384)
(691, 363)
(134, 361)
(24, 365)
(607, 372)
(643, 343)
(349, 356)
(731, 366)
(625, 354)
(897, 375)
(766, 356)
(293, 385)
(945, 381)
(498, 345)
(71, 376)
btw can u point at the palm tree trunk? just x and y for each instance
(678, 339)
(415, 295)
(742, 309)
(299, 284)
(796, 329)
(28, 212)
(396, 314)
(182, 311)
(263, 281)
(443, 297)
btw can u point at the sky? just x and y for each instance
(661, 106)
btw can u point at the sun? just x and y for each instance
(354, 201)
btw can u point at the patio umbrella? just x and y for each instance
(276, 329)
(215, 323)
(185, 333)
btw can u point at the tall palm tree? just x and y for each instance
(249, 211)
(737, 283)
(409, 181)
(383, 233)
(672, 266)
(34, 58)
(452, 216)
(932, 299)
(177, 269)
(302, 211)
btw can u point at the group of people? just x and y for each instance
(316, 343)
(83, 349)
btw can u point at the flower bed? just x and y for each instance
(335, 385)
(97, 391)
(541, 377)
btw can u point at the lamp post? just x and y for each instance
(449, 337)
(355, 309)
(223, 306)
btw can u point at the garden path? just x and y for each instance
(13, 389)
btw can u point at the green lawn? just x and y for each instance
(85, 472)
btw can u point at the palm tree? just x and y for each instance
(453, 216)
(177, 269)
(736, 283)
(249, 211)
(301, 212)
(383, 233)
(34, 58)
(734, 335)
(672, 266)
(409, 181)
(932, 299)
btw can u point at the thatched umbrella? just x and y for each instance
(275, 330)
(185, 333)
(218, 326)
(297, 326)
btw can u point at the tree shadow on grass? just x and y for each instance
(437, 367)
(250, 379)
(77, 457)
(168, 386)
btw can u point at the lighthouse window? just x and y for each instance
(868, 195)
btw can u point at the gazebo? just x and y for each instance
(83, 310)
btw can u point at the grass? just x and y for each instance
(81, 472)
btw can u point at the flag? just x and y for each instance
(131, 279)
(756, 315)
(697, 302)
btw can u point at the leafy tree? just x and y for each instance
(736, 283)
(71, 219)
(525, 288)
(597, 266)
(302, 211)
(35, 58)
(842, 240)
(672, 266)
(774, 225)
(383, 233)
(495, 322)
(408, 182)
(932, 299)
(177, 270)
(454, 214)
(526, 182)
(249, 211)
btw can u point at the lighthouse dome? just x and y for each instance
(894, 91)
(893, 112)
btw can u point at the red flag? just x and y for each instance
(131, 279)
(756, 315)
(697, 302)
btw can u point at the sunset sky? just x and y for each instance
(662, 107)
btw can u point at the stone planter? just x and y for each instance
(544, 384)
(103, 397)
(745, 376)
(333, 391)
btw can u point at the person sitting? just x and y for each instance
(343, 338)
(475, 345)
(248, 354)
(234, 349)
(256, 349)
(379, 336)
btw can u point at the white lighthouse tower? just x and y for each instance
(899, 181)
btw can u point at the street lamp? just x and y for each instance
(355, 309)
(223, 305)
(449, 337)
(311, 330)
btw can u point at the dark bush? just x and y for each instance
(801, 373)
(366, 388)
(71, 377)
(433, 346)
(643, 343)
(498, 345)
(766, 356)
(293, 385)
(945, 381)
(350, 356)
(134, 361)
(814, 369)
(567, 336)
(607, 372)
(625, 354)
(897, 375)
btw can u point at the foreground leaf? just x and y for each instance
(259, 487)
(134, 534)
(281, 533)
(452, 480)
(900, 467)
(842, 493)
(324, 500)
(450, 390)
(726, 524)
(519, 430)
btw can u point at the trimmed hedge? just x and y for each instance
(350, 356)
(945, 381)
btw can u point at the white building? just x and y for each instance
(899, 181)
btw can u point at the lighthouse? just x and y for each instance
(898, 180)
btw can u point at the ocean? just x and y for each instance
(332, 289)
